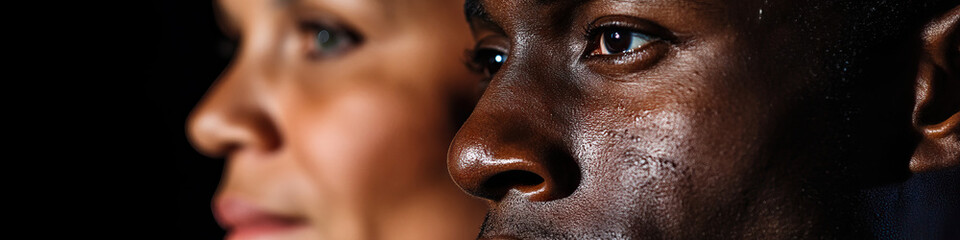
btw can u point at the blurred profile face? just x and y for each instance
(626, 119)
(335, 117)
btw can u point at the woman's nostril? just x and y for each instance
(497, 186)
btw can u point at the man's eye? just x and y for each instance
(326, 41)
(489, 61)
(617, 41)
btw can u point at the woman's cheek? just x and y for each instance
(344, 140)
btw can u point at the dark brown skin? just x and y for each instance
(738, 119)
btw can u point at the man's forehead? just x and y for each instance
(556, 17)
(481, 4)
(479, 9)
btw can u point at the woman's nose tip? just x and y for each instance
(215, 134)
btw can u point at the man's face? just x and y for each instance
(664, 119)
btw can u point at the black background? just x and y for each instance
(190, 52)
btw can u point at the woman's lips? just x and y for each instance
(243, 220)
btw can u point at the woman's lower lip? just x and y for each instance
(264, 229)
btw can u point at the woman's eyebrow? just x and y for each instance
(283, 3)
(228, 23)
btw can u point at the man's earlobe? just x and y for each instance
(936, 115)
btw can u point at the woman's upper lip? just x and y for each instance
(233, 213)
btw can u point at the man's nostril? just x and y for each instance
(497, 186)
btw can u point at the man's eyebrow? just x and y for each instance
(473, 9)
(685, 4)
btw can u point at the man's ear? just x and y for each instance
(936, 115)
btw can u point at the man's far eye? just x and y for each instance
(489, 60)
(617, 41)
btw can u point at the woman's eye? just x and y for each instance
(328, 41)
(617, 41)
(489, 60)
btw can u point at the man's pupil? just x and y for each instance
(616, 42)
(494, 62)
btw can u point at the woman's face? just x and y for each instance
(335, 117)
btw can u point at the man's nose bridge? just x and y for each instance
(514, 140)
(530, 97)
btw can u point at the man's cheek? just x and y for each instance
(644, 159)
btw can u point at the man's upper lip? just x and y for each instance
(233, 212)
(499, 237)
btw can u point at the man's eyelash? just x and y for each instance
(469, 60)
(588, 31)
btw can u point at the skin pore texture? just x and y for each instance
(761, 119)
(335, 117)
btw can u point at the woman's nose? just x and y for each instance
(496, 154)
(233, 115)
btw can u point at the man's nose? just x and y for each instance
(233, 114)
(511, 144)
